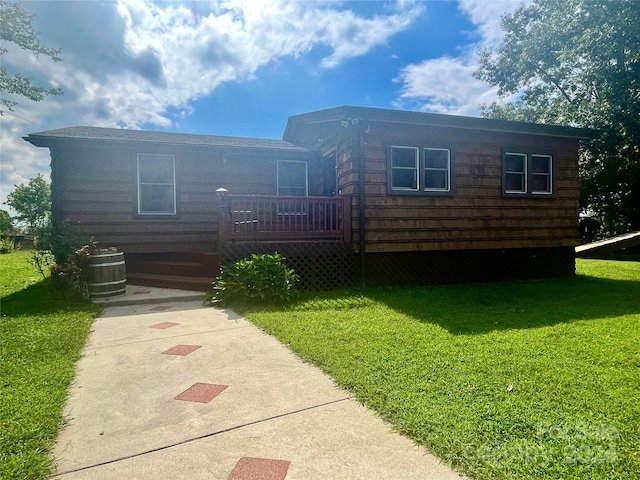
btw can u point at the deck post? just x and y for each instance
(224, 220)
(346, 218)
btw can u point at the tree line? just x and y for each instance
(577, 62)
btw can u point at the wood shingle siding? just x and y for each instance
(95, 183)
(478, 216)
(428, 193)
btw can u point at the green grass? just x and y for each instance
(41, 336)
(511, 380)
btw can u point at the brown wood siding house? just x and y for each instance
(413, 197)
(440, 198)
(96, 181)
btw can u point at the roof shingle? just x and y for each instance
(99, 133)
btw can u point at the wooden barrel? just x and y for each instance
(107, 274)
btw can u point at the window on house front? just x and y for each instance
(292, 178)
(515, 176)
(541, 174)
(527, 174)
(437, 169)
(404, 168)
(419, 171)
(156, 184)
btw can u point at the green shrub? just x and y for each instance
(62, 240)
(42, 260)
(6, 246)
(72, 274)
(264, 278)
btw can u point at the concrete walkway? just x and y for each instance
(170, 389)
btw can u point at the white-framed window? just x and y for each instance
(419, 170)
(515, 172)
(437, 170)
(156, 184)
(292, 178)
(527, 173)
(541, 174)
(404, 168)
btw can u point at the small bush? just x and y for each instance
(72, 274)
(63, 240)
(42, 260)
(265, 278)
(6, 246)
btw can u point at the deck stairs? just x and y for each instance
(180, 270)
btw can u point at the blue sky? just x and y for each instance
(259, 106)
(241, 67)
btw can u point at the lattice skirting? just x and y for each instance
(320, 265)
(467, 266)
(330, 265)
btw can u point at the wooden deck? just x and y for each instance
(259, 218)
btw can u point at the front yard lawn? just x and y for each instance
(535, 379)
(41, 335)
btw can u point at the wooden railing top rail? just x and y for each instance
(255, 217)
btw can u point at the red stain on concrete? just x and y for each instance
(201, 392)
(249, 468)
(164, 325)
(182, 350)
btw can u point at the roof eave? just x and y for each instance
(50, 140)
(437, 120)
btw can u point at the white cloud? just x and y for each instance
(361, 34)
(487, 16)
(182, 55)
(447, 85)
(127, 63)
(28, 161)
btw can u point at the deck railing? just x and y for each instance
(274, 218)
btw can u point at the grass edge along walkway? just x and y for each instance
(535, 379)
(42, 335)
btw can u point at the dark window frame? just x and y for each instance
(420, 189)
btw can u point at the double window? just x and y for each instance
(156, 184)
(420, 170)
(527, 173)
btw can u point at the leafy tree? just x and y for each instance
(6, 225)
(32, 202)
(16, 28)
(577, 62)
